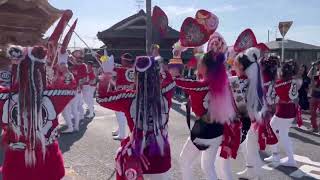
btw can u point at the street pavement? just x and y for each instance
(89, 154)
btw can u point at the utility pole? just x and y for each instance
(148, 28)
(268, 35)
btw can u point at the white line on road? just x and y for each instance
(306, 170)
(311, 168)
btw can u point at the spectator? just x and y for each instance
(315, 100)
(303, 91)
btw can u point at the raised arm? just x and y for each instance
(116, 100)
(190, 86)
(167, 84)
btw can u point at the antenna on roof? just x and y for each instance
(139, 4)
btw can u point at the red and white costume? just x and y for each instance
(5, 78)
(125, 101)
(88, 90)
(267, 136)
(198, 92)
(124, 78)
(79, 71)
(27, 155)
(204, 96)
(286, 112)
(124, 81)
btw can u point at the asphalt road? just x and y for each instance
(89, 154)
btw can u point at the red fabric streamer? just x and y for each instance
(231, 140)
(299, 118)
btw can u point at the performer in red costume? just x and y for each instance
(314, 75)
(65, 76)
(124, 80)
(286, 111)
(269, 67)
(247, 66)
(29, 110)
(88, 91)
(79, 71)
(211, 101)
(147, 150)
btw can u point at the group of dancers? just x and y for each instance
(243, 98)
(243, 106)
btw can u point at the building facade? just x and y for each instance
(302, 53)
(129, 36)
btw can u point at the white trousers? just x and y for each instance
(223, 167)
(163, 176)
(122, 123)
(88, 97)
(77, 109)
(251, 151)
(67, 114)
(281, 127)
(188, 157)
(79, 104)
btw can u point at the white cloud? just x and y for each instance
(226, 8)
(179, 11)
(190, 11)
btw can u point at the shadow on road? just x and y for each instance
(303, 139)
(306, 132)
(67, 140)
(287, 170)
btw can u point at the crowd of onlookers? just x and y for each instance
(309, 93)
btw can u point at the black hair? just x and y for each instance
(270, 66)
(288, 70)
(245, 61)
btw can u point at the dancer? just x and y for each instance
(88, 91)
(239, 86)
(29, 118)
(314, 75)
(79, 71)
(247, 65)
(147, 150)
(212, 103)
(124, 80)
(286, 110)
(65, 76)
(269, 67)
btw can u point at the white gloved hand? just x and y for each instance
(108, 65)
(62, 58)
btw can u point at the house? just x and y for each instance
(302, 53)
(129, 35)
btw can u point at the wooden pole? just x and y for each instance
(148, 28)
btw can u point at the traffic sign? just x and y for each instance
(284, 27)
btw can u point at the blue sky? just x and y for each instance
(234, 16)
